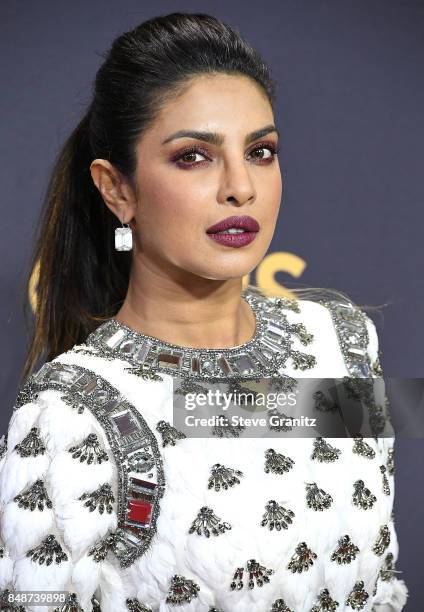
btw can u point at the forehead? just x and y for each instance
(230, 104)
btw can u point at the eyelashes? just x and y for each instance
(193, 150)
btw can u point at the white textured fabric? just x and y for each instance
(209, 562)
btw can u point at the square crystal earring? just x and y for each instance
(123, 238)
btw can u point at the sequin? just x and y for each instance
(324, 452)
(362, 448)
(207, 523)
(277, 516)
(277, 463)
(89, 451)
(357, 598)
(383, 540)
(362, 496)
(302, 559)
(182, 590)
(35, 497)
(258, 575)
(345, 552)
(169, 433)
(31, 445)
(325, 603)
(386, 486)
(48, 551)
(101, 499)
(223, 477)
(317, 498)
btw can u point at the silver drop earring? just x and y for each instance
(123, 238)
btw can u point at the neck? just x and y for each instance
(202, 313)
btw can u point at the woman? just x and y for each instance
(101, 495)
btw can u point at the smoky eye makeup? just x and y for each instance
(186, 157)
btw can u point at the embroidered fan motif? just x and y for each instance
(223, 477)
(323, 403)
(386, 486)
(48, 551)
(302, 558)
(100, 550)
(362, 448)
(31, 445)
(182, 590)
(362, 496)
(207, 523)
(387, 570)
(169, 433)
(300, 331)
(357, 597)
(7, 605)
(71, 604)
(225, 429)
(35, 497)
(303, 361)
(101, 499)
(258, 575)
(89, 451)
(346, 551)
(134, 605)
(276, 516)
(317, 498)
(383, 540)
(391, 461)
(280, 422)
(277, 463)
(279, 605)
(325, 603)
(324, 452)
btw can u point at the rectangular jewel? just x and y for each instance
(64, 375)
(225, 366)
(243, 364)
(345, 310)
(169, 360)
(142, 484)
(116, 338)
(139, 511)
(125, 423)
(260, 357)
(195, 364)
(141, 352)
(357, 352)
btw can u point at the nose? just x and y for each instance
(237, 186)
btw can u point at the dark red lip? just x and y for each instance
(247, 223)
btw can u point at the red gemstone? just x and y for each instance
(139, 511)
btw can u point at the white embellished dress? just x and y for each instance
(102, 497)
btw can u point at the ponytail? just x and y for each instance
(81, 281)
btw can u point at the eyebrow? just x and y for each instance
(218, 139)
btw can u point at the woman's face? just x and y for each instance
(186, 184)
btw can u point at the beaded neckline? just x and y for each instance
(262, 356)
(259, 329)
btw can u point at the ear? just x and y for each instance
(114, 188)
